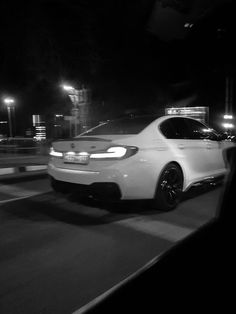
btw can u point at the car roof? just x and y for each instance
(155, 116)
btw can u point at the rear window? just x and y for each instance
(122, 126)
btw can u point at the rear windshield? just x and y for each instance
(122, 126)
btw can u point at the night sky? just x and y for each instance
(132, 54)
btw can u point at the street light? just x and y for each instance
(68, 88)
(227, 124)
(228, 117)
(10, 104)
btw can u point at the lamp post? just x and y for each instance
(9, 102)
(73, 93)
(228, 116)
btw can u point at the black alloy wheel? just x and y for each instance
(170, 188)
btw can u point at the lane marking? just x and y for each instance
(161, 229)
(15, 199)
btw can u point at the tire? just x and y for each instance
(169, 188)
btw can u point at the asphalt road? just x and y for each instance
(58, 254)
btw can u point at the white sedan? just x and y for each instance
(144, 157)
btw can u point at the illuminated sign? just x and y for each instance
(40, 128)
(198, 113)
(37, 119)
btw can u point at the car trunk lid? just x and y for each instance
(82, 144)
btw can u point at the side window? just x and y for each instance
(175, 128)
(167, 129)
(199, 131)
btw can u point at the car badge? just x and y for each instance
(72, 145)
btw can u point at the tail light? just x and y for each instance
(115, 152)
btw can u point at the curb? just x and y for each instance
(21, 170)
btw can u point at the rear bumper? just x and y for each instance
(102, 191)
(132, 182)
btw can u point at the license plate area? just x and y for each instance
(76, 158)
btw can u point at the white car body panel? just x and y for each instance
(137, 176)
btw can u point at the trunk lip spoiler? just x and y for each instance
(85, 138)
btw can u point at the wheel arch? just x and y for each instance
(160, 173)
(168, 194)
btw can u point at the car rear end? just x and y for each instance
(103, 165)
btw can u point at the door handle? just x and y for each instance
(181, 146)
